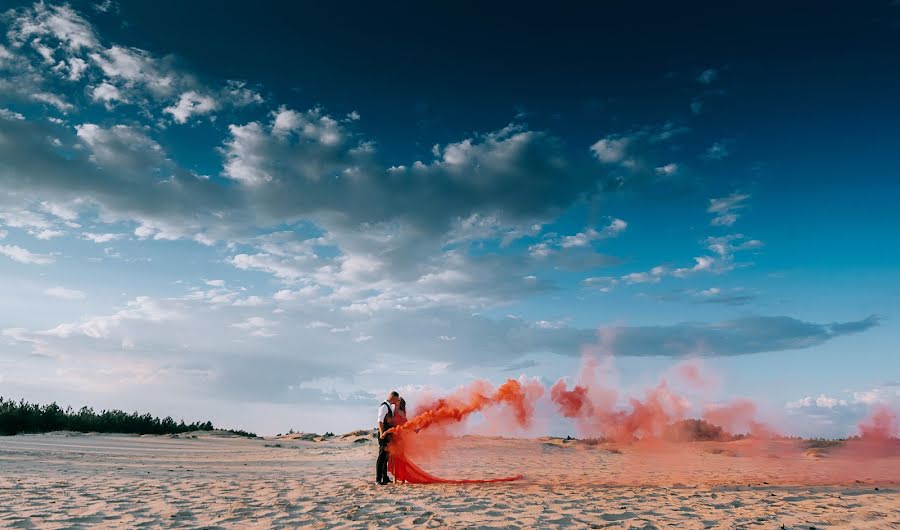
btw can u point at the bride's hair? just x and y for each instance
(402, 405)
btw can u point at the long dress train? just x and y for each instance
(405, 470)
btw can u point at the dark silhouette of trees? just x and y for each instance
(22, 417)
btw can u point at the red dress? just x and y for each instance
(406, 471)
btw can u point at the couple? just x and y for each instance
(391, 413)
(392, 444)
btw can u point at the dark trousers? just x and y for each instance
(381, 465)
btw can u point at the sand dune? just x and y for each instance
(102, 481)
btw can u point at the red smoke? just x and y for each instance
(572, 403)
(881, 425)
(518, 397)
(657, 419)
(737, 417)
(644, 418)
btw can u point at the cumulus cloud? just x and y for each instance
(66, 46)
(190, 104)
(611, 150)
(837, 414)
(107, 94)
(118, 169)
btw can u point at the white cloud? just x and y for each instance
(48, 234)
(238, 94)
(611, 150)
(66, 212)
(190, 104)
(603, 284)
(724, 209)
(53, 100)
(101, 238)
(581, 239)
(667, 170)
(7, 114)
(552, 243)
(106, 93)
(59, 22)
(250, 301)
(22, 255)
(22, 218)
(64, 293)
(141, 308)
(726, 246)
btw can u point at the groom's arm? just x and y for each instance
(381, 421)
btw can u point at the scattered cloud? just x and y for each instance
(717, 151)
(667, 170)
(101, 238)
(611, 150)
(17, 253)
(725, 209)
(64, 293)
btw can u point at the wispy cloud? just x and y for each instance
(64, 293)
(725, 209)
(17, 253)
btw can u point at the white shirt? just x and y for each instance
(383, 411)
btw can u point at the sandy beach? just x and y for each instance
(68, 480)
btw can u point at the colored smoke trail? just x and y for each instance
(422, 436)
(659, 414)
(600, 412)
(674, 431)
(516, 396)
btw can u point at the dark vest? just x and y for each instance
(389, 417)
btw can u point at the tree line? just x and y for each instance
(18, 417)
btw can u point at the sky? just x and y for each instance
(270, 215)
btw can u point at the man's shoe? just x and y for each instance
(387, 481)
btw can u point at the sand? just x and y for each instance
(104, 481)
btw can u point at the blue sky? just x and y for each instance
(271, 216)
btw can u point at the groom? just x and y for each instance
(385, 415)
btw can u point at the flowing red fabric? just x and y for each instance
(406, 471)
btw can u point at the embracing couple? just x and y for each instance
(391, 413)
(394, 441)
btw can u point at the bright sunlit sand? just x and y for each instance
(107, 481)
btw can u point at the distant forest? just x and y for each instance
(18, 417)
